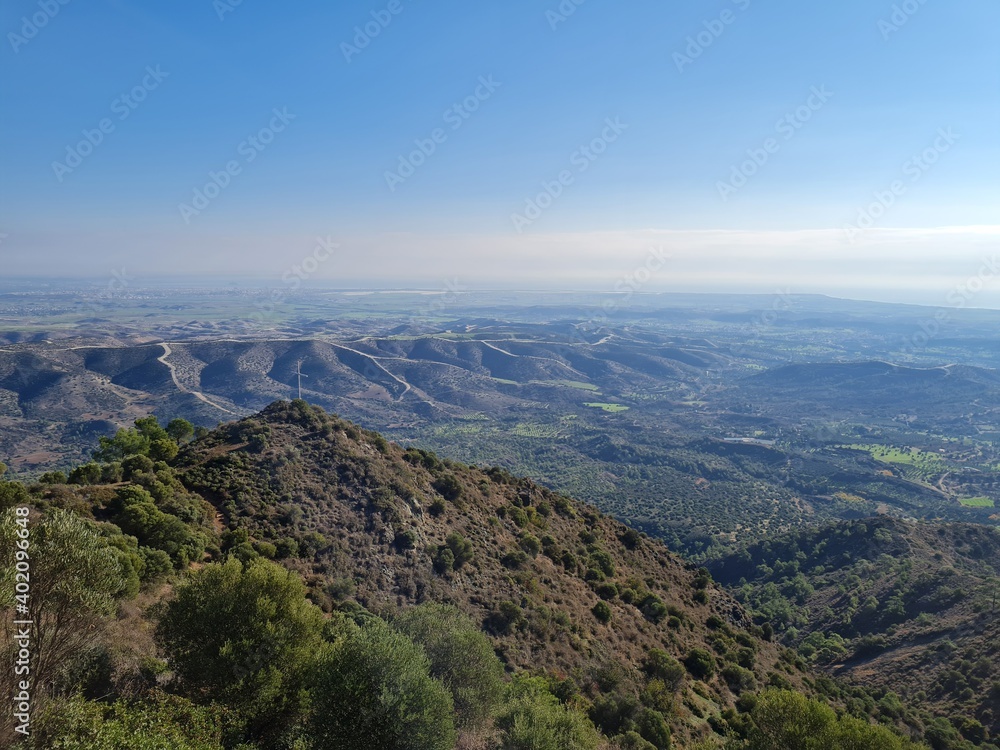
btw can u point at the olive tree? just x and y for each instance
(58, 574)
(373, 688)
(243, 635)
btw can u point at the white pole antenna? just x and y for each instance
(300, 375)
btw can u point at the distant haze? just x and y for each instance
(832, 148)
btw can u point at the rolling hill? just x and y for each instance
(884, 603)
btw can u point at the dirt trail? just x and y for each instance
(162, 359)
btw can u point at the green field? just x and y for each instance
(531, 430)
(613, 408)
(917, 464)
(890, 455)
(977, 502)
(578, 384)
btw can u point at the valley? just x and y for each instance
(841, 490)
(703, 420)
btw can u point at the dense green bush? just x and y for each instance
(373, 688)
(602, 612)
(245, 636)
(784, 719)
(461, 656)
(159, 722)
(534, 719)
(662, 666)
(135, 511)
(700, 663)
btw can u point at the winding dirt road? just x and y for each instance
(162, 359)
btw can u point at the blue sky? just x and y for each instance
(764, 144)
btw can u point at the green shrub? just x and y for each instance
(788, 719)
(461, 548)
(461, 656)
(530, 545)
(602, 612)
(630, 539)
(700, 663)
(373, 688)
(245, 636)
(607, 591)
(444, 560)
(448, 487)
(505, 619)
(158, 722)
(86, 474)
(653, 608)
(534, 719)
(632, 741)
(738, 678)
(652, 727)
(662, 666)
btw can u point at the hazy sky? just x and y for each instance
(847, 148)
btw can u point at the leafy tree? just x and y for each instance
(244, 636)
(373, 688)
(86, 474)
(161, 722)
(12, 494)
(700, 663)
(163, 449)
(660, 665)
(461, 548)
(135, 511)
(652, 727)
(180, 431)
(147, 438)
(125, 443)
(461, 657)
(534, 719)
(75, 581)
(785, 720)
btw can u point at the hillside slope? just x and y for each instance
(389, 528)
(605, 627)
(889, 604)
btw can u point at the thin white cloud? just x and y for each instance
(927, 261)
